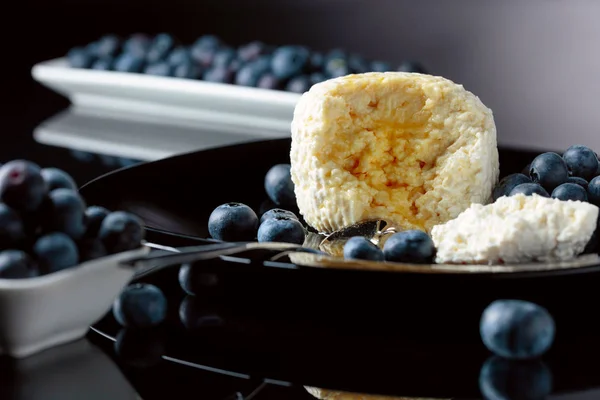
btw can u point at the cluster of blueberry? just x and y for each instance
(290, 68)
(45, 226)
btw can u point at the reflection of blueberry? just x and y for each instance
(578, 181)
(12, 231)
(140, 305)
(581, 161)
(517, 329)
(277, 212)
(57, 178)
(233, 222)
(549, 170)
(80, 58)
(159, 69)
(16, 264)
(501, 379)
(121, 231)
(507, 184)
(187, 71)
(65, 213)
(55, 251)
(140, 349)
(594, 191)
(360, 248)
(22, 186)
(128, 62)
(298, 84)
(412, 66)
(281, 229)
(194, 281)
(288, 61)
(279, 185)
(380, 66)
(570, 191)
(194, 315)
(413, 246)
(529, 189)
(218, 75)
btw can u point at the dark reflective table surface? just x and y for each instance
(211, 349)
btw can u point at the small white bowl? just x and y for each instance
(45, 311)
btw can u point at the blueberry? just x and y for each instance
(224, 57)
(277, 212)
(233, 222)
(22, 186)
(336, 54)
(279, 185)
(16, 264)
(578, 181)
(529, 189)
(137, 44)
(336, 67)
(252, 51)
(140, 305)
(107, 46)
(218, 75)
(549, 170)
(358, 64)
(208, 41)
(179, 55)
(58, 179)
(381, 66)
(507, 184)
(269, 81)
(281, 229)
(103, 64)
(159, 69)
(316, 77)
(299, 84)
(195, 315)
(413, 246)
(502, 379)
(65, 213)
(56, 251)
(204, 56)
(121, 231)
(79, 57)
(250, 73)
(594, 191)
(12, 231)
(316, 62)
(94, 216)
(570, 191)
(187, 71)
(161, 46)
(91, 249)
(139, 348)
(517, 329)
(581, 161)
(412, 66)
(128, 62)
(194, 280)
(288, 61)
(360, 248)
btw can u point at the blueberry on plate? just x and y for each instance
(412, 66)
(161, 46)
(107, 46)
(233, 222)
(549, 170)
(55, 251)
(277, 212)
(252, 51)
(194, 280)
(412, 246)
(218, 75)
(91, 249)
(269, 81)
(187, 70)
(288, 61)
(179, 55)
(79, 57)
(58, 179)
(94, 215)
(16, 264)
(121, 231)
(204, 56)
(581, 161)
(517, 329)
(298, 84)
(316, 77)
(578, 181)
(12, 230)
(159, 69)
(281, 229)
(208, 41)
(137, 44)
(381, 66)
(529, 189)
(103, 64)
(140, 305)
(249, 74)
(22, 186)
(65, 212)
(224, 57)
(358, 64)
(129, 62)
(139, 348)
(501, 379)
(507, 184)
(279, 185)
(570, 191)
(360, 248)
(594, 191)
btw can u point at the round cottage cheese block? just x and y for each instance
(325, 394)
(516, 229)
(413, 149)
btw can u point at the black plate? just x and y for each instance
(372, 317)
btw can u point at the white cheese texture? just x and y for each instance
(516, 229)
(413, 149)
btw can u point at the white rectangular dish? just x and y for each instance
(224, 107)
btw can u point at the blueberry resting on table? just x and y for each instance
(578, 181)
(281, 229)
(279, 185)
(594, 191)
(570, 191)
(288, 61)
(233, 222)
(529, 189)
(277, 212)
(549, 170)
(412, 246)
(581, 161)
(360, 248)
(508, 183)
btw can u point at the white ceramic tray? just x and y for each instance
(224, 107)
